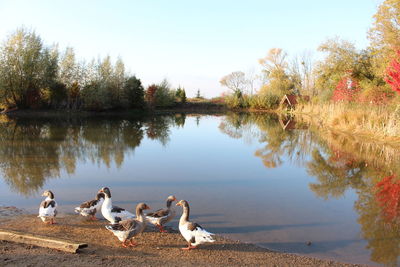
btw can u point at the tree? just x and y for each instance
(151, 95)
(198, 95)
(69, 75)
(133, 93)
(164, 96)
(385, 34)
(341, 58)
(278, 81)
(180, 94)
(24, 69)
(236, 81)
(117, 83)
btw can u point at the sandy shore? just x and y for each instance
(154, 249)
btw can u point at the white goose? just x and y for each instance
(192, 232)
(48, 208)
(90, 208)
(162, 216)
(113, 213)
(127, 229)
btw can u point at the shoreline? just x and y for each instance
(154, 248)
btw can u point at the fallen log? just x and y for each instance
(42, 241)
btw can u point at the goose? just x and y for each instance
(127, 229)
(48, 208)
(90, 208)
(192, 232)
(113, 213)
(162, 216)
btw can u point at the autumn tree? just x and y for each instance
(26, 66)
(275, 69)
(385, 34)
(235, 81)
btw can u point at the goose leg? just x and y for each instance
(189, 247)
(124, 244)
(132, 243)
(161, 228)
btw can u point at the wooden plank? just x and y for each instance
(42, 241)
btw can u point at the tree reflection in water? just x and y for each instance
(339, 163)
(34, 150)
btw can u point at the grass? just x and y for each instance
(379, 121)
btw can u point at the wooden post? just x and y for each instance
(42, 241)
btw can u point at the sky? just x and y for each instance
(191, 43)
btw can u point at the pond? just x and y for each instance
(251, 177)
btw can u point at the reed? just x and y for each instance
(377, 121)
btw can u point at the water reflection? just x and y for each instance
(33, 150)
(339, 163)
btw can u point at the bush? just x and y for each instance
(265, 101)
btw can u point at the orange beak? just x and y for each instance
(147, 207)
(174, 199)
(178, 204)
(101, 191)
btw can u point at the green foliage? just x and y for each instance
(96, 97)
(264, 101)
(180, 95)
(26, 67)
(164, 96)
(133, 93)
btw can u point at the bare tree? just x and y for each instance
(236, 81)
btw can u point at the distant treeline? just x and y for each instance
(34, 75)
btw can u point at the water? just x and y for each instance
(254, 178)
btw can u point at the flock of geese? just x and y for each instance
(124, 225)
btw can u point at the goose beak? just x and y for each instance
(174, 199)
(101, 191)
(178, 204)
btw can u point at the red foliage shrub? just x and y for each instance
(393, 73)
(388, 196)
(346, 90)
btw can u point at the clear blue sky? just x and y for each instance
(192, 43)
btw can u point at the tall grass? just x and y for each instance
(356, 118)
(260, 101)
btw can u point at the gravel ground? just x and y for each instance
(162, 249)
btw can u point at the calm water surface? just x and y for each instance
(254, 178)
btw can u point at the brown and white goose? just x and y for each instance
(48, 208)
(113, 213)
(90, 208)
(127, 229)
(162, 216)
(192, 232)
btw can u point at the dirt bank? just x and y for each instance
(162, 249)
